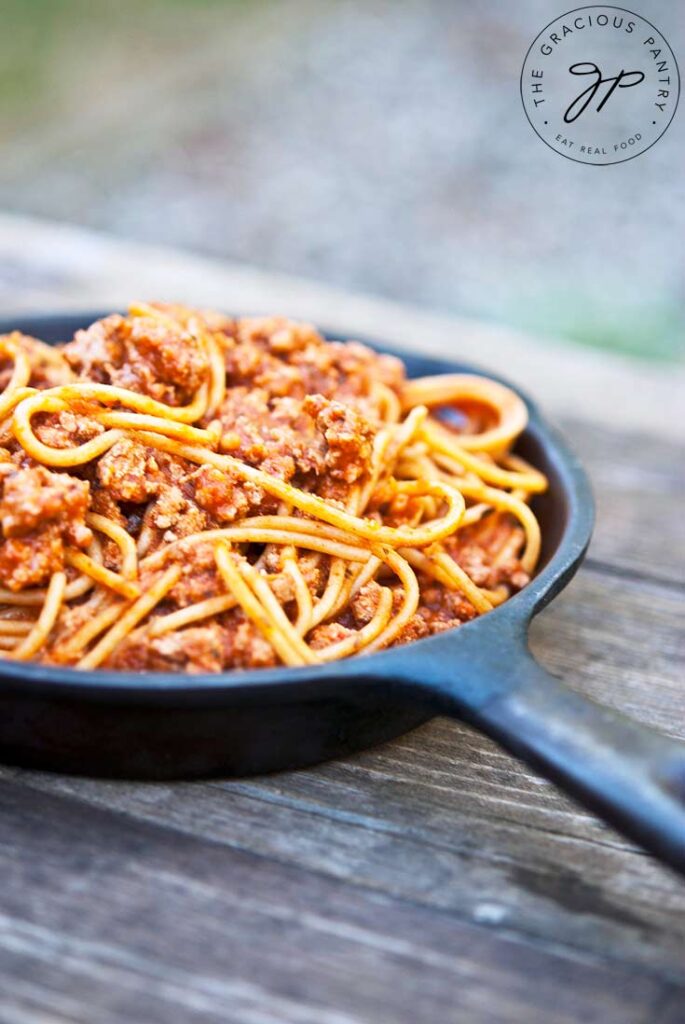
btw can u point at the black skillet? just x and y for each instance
(162, 726)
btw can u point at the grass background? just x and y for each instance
(374, 144)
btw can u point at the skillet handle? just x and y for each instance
(630, 775)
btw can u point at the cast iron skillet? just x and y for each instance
(171, 726)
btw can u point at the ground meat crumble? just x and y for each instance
(41, 512)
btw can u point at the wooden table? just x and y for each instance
(433, 879)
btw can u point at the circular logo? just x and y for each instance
(600, 85)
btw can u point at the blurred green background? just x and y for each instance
(373, 144)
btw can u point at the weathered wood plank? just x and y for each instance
(442, 817)
(577, 896)
(104, 911)
(620, 641)
(639, 485)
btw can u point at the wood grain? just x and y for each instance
(218, 934)
(639, 486)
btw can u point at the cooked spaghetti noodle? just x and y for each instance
(181, 491)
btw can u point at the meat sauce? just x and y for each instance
(296, 406)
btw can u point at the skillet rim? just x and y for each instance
(511, 618)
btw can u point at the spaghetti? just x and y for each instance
(181, 491)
